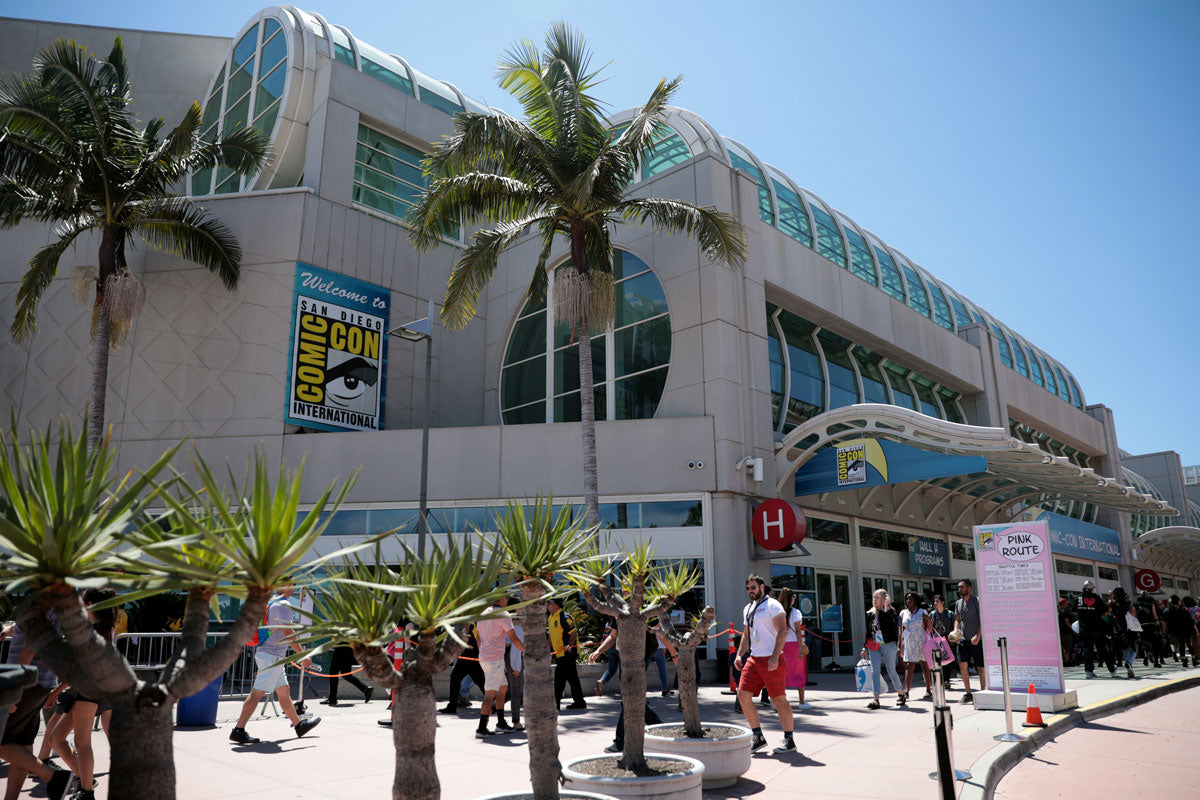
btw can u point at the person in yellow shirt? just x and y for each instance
(564, 647)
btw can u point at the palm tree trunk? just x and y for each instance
(632, 636)
(541, 712)
(100, 345)
(587, 401)
(142, 764)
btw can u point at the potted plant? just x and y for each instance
(365, 606)
(632, 773)
(67, 521)
(534, 543)
(724, 749)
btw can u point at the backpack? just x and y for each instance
(263, 633)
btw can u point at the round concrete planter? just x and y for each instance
(724, 759)
(564, 794)
(682, 785)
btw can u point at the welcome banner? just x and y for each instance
(338, 352)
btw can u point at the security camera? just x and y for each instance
(691, 465)
(699, 465)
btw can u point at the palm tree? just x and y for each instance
(535, 543)
(639, 596)
(65, 524)
(559, 172)
(366, 606)
(72, 155)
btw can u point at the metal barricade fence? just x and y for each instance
(148, 653)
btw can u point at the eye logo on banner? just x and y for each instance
(339, 335)
(852, 464)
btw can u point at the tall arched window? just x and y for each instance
(539, 381)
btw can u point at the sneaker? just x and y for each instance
(759, 743)
(448, 710)
(927, 696)
(240, 736)
(1089, 674)
(61, 782)
(666, 693)
(1112, 673)
(613, 748)
(483, 733)
(464, 701)
(581, 704)
(502, 725)
(369, 694)
(518, 726)
(306, 725)
(329, 701)
(599, 689)
(84, 794)
(387, 723)
(804, 707)
(788, 746)
(1129, 672)
(967, 698)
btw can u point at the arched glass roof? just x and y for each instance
(799, 213)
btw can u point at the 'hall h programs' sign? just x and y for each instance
(338, 353)
(1018, 600)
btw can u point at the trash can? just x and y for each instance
(199, 710)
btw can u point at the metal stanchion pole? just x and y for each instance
(1009, 736)
(943, 725)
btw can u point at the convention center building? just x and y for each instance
(831, 385)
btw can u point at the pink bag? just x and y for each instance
(938, 651)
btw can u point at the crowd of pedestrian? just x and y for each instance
(1116, 631)
(68, 715)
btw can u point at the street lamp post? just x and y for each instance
(414, 332)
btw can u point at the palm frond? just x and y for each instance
(474, 268)
(62, 511)
(721, 236)
(176, 226)
(469, 198)
(43, 266)
(535, 540)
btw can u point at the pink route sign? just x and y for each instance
(1018, 600)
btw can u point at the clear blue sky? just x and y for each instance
(1041, 157)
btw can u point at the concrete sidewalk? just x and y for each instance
(846, 748)
(1145, 753)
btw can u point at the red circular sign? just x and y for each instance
(778, 524)
(1147, 580)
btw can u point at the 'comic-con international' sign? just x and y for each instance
(851, 464)
(338, 353)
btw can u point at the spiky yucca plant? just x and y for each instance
(367, 607)
(66, 522)
(534, 543)
(670, 584)
(630, 605)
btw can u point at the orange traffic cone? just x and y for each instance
(1033, 711)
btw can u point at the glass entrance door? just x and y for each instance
(833, 588)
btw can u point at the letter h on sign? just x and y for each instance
(777, 525)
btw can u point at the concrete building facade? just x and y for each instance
(717, 388)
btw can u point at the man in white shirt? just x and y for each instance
(493, 634)
(765, 634)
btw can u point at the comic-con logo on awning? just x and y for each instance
(853, 458)
(337, 353)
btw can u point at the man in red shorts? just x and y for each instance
(764, 638)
